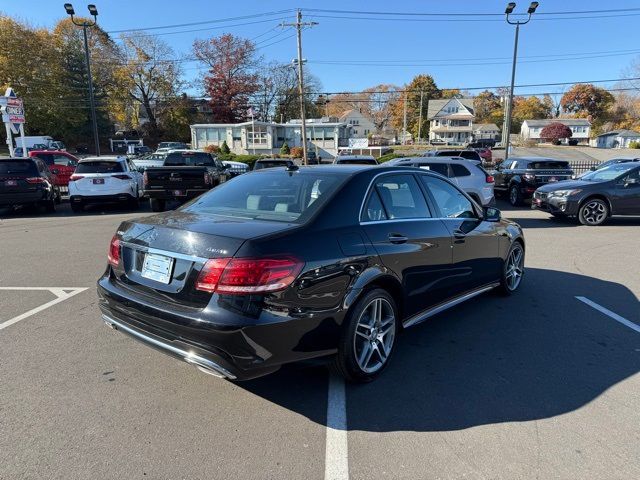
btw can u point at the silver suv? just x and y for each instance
(468, 175)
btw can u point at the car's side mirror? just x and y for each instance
(492, 214)
(632, 182)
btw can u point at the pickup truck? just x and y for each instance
(520, 177)
(183, 176)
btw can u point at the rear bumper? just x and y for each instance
(7, 199)
(169, 194)
(118, 197)
(217, 339)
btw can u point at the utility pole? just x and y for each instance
(507, 120)
(420, 124)
(298, 25)
(404, 119)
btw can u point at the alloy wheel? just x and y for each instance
(374, 335)
(594, 212)
(514, 269)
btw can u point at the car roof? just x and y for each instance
(464, 161)
(279, 160)
(538, 159)
(355, 157)
(16, 158)
(103, 159)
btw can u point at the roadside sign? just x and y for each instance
(12, 110)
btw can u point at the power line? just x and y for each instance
(458, 14)
(205, 22)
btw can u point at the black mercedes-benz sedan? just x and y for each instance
(291, 264)
(594, 197)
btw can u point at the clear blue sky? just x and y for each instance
(442, 48)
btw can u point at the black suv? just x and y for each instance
(521, 176)
(466, 154)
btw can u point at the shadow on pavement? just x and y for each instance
(537, 354)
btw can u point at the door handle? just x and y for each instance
(397, 238)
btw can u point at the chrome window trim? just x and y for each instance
(397, 220)
(166, 253)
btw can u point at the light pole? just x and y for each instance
(94, 13)
(506, 130)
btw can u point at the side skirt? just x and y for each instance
(422, 316)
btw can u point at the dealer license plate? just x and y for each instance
(98, 181)
(157, 267)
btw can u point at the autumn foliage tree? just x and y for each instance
(426, 85)
(555, 131)
(585, 99)
(231, 78)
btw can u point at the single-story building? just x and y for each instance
(617, 139)
(324, 137)
(580, 129)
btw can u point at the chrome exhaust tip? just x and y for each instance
(204, 368)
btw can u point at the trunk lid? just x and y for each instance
(181, 241)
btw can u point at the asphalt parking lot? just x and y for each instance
(542, 384)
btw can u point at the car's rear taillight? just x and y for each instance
(73, 178)
(207, 178)
(114, 252)
(122, 177)
(490, 179)
(145, 179)
(248, 275)
(35, 180)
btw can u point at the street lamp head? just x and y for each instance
(94, 11)
(69, 9)
(510, 7)
(532, 7)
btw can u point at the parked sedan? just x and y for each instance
(291, 264)
(27, 181)
(594, 197)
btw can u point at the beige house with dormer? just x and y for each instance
(451, 120)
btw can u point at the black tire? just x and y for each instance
(134, 202)
(515, 197)
(157, 205)
(593, 212)
(77, 207)
(49, 205)
(58, 197)
(351, 344)
(507, 287)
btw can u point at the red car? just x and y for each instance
(485, 154)
(61, 164)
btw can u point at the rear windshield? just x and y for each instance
(546, 165)
(259, 165)
(609, 173)
(276, 195)
(18, 167)
(441, 168)
(189, 159)
(357, 161)
(99, 166)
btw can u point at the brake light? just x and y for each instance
(73, 178)
(35, 180)
(207, 179)
(248, 275)
(145, 179)
(114, 252)
(122, 177)
(490, 179)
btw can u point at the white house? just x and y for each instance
(617, 139)
(451, 120)
(361, 125)
(323, 136)
(580, 129)
(486, 131)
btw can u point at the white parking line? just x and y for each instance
(336, 466)
(609, 313)
(62, 294)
